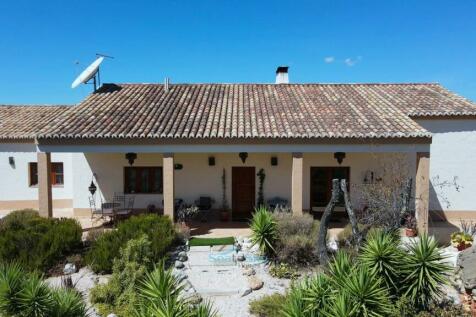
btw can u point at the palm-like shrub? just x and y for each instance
(383, 256)
(263, 230)
(340, 267)
(296, 305)
(340, 306)
(67, 302)
(425, 271)
(159, 296)
(24, 294)
(367, 292)
(317, 294)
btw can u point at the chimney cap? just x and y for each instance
(282, 69)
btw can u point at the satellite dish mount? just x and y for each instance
(91, 73)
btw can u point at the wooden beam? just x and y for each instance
(45, 202)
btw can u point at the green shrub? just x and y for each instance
(105, 248)
(283, 270)
(25, 294)
(119, 295)
(37, 242)
(445, 308)
(264, 230)
(296, 238)
(267, 306)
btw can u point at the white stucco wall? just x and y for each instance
(14, 180)
(453, 154)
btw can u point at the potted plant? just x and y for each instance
(410, 226)
(461, 240)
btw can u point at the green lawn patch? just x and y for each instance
(196, 242)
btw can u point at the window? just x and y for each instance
(321, 184)
(143, 180)
(57, 174)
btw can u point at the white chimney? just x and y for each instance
(282, 75)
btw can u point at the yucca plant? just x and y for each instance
(35, 299)
(12, 280)
(295, 305)
(340, 267)
(317, 293)
(67, 302)
(382, 255)
(159, 297)
(425, 271)
(263, 230)
(340, 306)
(366, 290)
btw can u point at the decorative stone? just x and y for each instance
(255, 283)
(182, 257)
(69, 268)
(187, 285)
(179, 265)
(245, 291)
(249, 271)
(195, 299)
(182, 253)
(180, 276)
(240, 256)
(112, 315)
(467, 262)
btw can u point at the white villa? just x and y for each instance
(164, 142)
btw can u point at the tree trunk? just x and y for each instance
(356, 235)
(321, 242)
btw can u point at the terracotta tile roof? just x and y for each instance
(257, 111)
(24, 122)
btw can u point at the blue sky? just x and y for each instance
(45, 44)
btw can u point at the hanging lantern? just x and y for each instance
(130, 157)
(243, 156)
(92, 188)
(339, 156)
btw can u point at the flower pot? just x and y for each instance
(410, 232)
(462, 246)
(224, 216)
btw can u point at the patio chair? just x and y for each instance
(94, 211)
(127, 209)
(204, 204)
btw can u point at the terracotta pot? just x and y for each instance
(410, 232)
(224, 216)
(462, 246)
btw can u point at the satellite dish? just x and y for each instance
(88, 73)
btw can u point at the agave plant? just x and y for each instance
(382, 255)
(263, 230)
(340, 267)
(425, 271)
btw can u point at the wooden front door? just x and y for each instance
(242, 192)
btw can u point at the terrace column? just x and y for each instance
(168, 188)
(45, 204)
(422, 190)
(296, 184)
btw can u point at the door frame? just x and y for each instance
(253, 168)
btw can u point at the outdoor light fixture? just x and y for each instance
(178, 166)
(92, 188)
(274, 160)
(131, 157)
(211, 161)
(11, 161)
(339, 156)
(243, 156)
